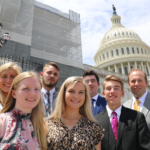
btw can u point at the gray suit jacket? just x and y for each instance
(53, 105)
(145, 109)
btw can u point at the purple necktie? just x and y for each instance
(114, 124)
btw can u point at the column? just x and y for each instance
(135, 65)
(142, 66)
(148, 68)
(129, 68)
(122, 68)
(116, 70)
(108, 68)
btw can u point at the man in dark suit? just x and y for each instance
(140, 101)
(98, 103)
(125, 129)
(50, 77)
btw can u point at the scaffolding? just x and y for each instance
(56, 32)
(51, 34)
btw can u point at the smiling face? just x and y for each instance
(6, 78)
(50, 77)
(75, 95)
(137, 83)
(27, 94)
(92, 84)
(113, 93)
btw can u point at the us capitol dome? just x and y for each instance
(122, 49)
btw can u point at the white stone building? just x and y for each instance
(121, 50)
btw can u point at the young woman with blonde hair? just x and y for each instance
(72, 126)
(8, 72)
(21, 119)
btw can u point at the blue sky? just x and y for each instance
(95, 20)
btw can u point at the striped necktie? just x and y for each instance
(47, 103)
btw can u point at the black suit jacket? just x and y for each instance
(133, 133)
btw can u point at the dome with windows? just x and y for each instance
(122, 49)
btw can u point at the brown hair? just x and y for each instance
(52, 64)
(113, 78)
(89, 73)
(145, 76)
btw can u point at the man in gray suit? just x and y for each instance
(140, 101)
(50, 77)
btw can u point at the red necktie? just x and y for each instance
(114, 124)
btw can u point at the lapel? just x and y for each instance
(109, 141)
(122, 120)
(146, 105)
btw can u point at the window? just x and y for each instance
(131, 67)
(115, 34)
(122, 51)
(137, 50)
(122, 33)
(147, 71)
(132, 50)
(119, 33)
(120, 71)
(112, 53)
(130, 33)
(127, 33)
(126, 70)
(107, 55)
(103, 56)
(141, 50)
(108, 37)
(117, 52)
(128, 51)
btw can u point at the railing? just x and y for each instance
(26, 64)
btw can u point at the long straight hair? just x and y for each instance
(4, 67)
(37, 112)
(85, 110)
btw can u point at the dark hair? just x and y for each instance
(89, 73)
(113, 78)
(52, 64)
(133, 70)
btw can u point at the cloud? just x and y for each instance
(95, 20)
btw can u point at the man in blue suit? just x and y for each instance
(98, 103)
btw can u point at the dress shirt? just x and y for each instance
(141, 99)
(44, 91)
(109, 111)
(95, 97)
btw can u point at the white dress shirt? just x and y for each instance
(95, 97)
(141, 99)
(44, 91)
(109, 111)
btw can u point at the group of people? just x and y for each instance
(36, 116)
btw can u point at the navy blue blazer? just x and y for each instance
(100, 105)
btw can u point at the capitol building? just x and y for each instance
(121, 50)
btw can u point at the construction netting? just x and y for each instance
(46, 29)
(56, 32)
(16, 17)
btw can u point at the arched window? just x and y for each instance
(126, 70)
(132, 50)
(122, 51)
(112, 53)
(130, 33)
(137, 50)
(127, 33)
(107, 55)
(142, 50)
(128, 51)
(122, 33)
(117, 52)
(104, 56)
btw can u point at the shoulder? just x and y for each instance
(127, 102)
(100, 115)
(100, 97)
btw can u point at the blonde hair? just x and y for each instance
(85, 110)
(4, 67)
(113, 78)
(37, 112)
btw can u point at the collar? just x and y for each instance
(118, 111)
(142, 98)
(95, 97)
(51, 91)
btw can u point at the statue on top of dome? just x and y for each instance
(114, 9)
